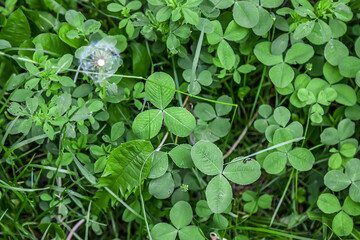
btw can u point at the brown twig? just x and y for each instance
(185, 101)
(73, 230)
(240, 137)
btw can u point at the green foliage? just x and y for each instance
(179, 119)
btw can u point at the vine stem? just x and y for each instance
(240, 137)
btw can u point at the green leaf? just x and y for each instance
(226, 54)
(220, 126)
(296, 129)
(160, 164)
(338, 28)
(303, 30)
(335, 51)
(218, 194)
(279, 45)
(190, 232)
(64, 63)
(4, 44)
(17, 110)
(163, 14)
(204, 111)
(51, 42)
(265, 201)
(179, 121)
(243, 173)
(350, 207)
(335, 161)
(349, 66)
(129, 216)
(234, 32)
(192, 3)
(301, 159)
(117, 130)
(282, 135)
(348, 150)
(328, 203)
(336, 180)
(246, 14)
(207, 157)
(320, 34)
(217, 35)
(271, 3)
(223, 109)
(264, 24)
(172, 43)
(114, 7)
(331, 73)
(251, 207)
(49, 130)
(147, 124)
(353, 169)
(159, 89)
(346, 129)
(76, 42)
(281, 75)
(265, 110)
(299, 53)
(342, 224)
(124, 165)
(181, 214)
(357, 46)
(353, 112)
(181, 156)
(219, 221)
(329, 136)
(202, 209)
(343, 12)
(55, 6)
(141, 64)
(206, 25)
(162, 187)
(163, 231)
(82, 114)
(190, 16)
(345, 94)
(17, 29)
(222, 4)
(246, 68)
(354, 191)
(261, 125)
(263, 53)
(275, 162)
(282, 116)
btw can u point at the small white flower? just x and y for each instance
(101, 60)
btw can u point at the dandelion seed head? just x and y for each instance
(101, 60)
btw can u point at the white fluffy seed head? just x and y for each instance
(101, 62)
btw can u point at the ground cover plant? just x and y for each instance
(179, 119)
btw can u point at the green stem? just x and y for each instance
(258, 93)
(282, 197)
